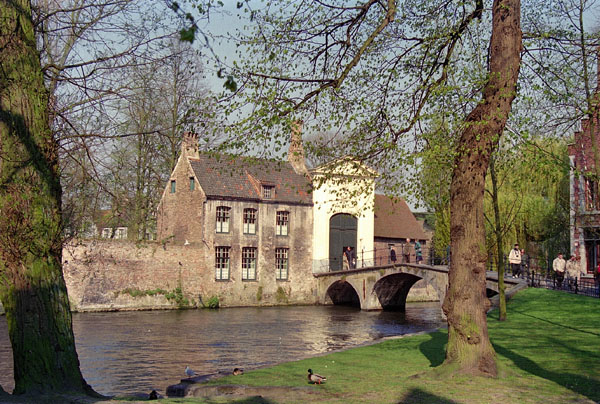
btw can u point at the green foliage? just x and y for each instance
(533, 198)
(176, 295)
(281, 296)
(212, 303)
(135, 292)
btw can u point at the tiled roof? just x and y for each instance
(393, 219)
(236, 177)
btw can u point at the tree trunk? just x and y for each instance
(32, 287)
(499, 242)
(466, 304)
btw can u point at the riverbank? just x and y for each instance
(547, 353)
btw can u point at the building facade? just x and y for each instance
(584, 196)
(249, 221)
(260, 228)
(343, 196)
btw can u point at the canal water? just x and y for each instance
(123, 353)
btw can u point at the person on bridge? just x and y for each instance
(418, 252)
(559, 265)
(350, 257)
(514, 259)
(406, 247)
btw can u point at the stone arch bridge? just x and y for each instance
(386, 286)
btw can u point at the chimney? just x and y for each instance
(296, 150)
(189, 145)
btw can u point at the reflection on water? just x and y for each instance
(130, 352)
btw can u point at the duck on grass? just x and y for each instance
(314, 378)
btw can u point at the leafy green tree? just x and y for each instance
(371, 71)
(533, 199)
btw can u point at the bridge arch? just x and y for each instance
(344, 294)
(391, 290)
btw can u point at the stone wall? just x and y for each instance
(99, 273)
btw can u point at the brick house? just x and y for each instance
(247, 221)
(584, 196)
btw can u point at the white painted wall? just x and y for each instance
(350, 189)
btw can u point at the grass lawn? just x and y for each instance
(548, 352)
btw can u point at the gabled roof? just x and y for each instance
(393, 219)
(237, 177)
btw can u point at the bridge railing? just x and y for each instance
(377, 257)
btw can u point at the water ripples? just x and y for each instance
(136, 352)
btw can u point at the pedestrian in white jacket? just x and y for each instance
(514, 259)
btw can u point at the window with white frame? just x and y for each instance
(249, 221)
(268, 191)
(222, 263)
(281, 263)
(248, 263)
(223, 216)
(282, 223)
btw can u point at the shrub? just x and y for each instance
(212, 303)
(281, 296)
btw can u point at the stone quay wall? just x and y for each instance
(105, 275)
(102, 275)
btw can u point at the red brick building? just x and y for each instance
(585, 199)
(252, 218)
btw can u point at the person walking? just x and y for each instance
(406, 247)
(350, 257)
(559, 265)
(418, 252)
(393, 255)
(573, 271)
(514, 259)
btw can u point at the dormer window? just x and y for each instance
(268, 191)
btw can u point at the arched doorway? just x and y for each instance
(342, 234)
